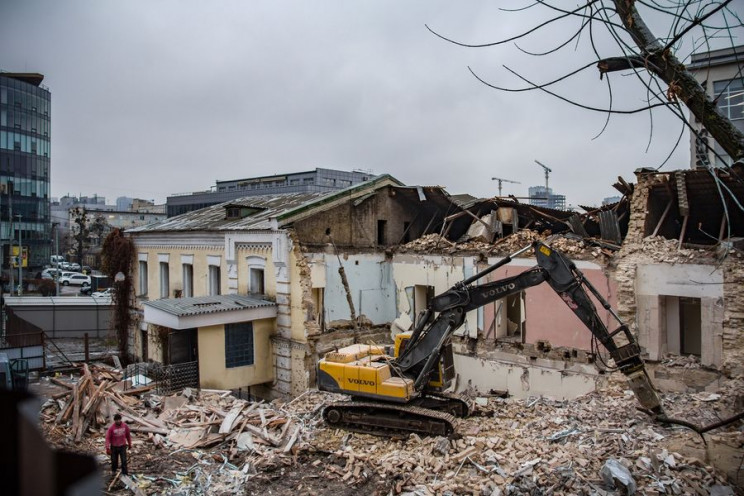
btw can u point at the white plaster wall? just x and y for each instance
(437, 271)
(654, 282)
(371, 285)
(523, 377)
(690, 280)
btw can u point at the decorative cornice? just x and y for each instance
(179, 240)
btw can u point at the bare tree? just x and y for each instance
(86, 232)
(656, 62)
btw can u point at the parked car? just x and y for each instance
(57, 259)
(74, 266)
(50, 273)
(106, 293)
(75, 280)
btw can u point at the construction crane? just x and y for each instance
(547, 172)
(500, 180)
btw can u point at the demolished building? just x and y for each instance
(324, 271)
(246, 294)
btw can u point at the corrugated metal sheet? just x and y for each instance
(577, 227)
(203, 305)
(214, 218)
(609, 226)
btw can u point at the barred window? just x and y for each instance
(238, 344)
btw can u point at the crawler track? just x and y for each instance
(385, 419)
(453, 404)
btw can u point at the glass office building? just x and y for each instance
(25, 108)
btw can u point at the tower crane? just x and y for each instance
(547, 172)
(500, 180)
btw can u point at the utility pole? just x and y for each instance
(56, 258)
(20, 257)
(500, 180)
(547, 172)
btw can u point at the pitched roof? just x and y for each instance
(284, 208)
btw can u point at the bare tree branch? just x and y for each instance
(682, 84)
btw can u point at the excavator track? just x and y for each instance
(454, 404)
(387, 419)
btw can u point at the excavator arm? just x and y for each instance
(430, 337)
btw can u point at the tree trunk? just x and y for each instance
(681, 82)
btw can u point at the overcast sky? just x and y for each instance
(158, 97)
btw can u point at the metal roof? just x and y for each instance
(214, 218)
(204, 305)
(284, 208)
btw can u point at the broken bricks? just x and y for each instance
(505, 448)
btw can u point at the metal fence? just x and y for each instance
(167, 379)
(27, 346)
(172, 378)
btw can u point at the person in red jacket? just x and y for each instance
(117, 440)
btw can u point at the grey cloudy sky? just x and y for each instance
(152, 98)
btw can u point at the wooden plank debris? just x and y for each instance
(230, 418)
(539, 444)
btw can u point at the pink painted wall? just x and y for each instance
(548, 318)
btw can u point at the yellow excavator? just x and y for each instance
(403, 389)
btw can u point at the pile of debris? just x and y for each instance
(574, 247)
(208, 425)
(669, 251)
(209, 442)
(591, 445)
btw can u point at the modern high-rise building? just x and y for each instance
(544, 197)
(314, 181)
(25, 109)
(721, 73)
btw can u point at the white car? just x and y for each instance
(75, 280)
(106, 293)
(49, 273)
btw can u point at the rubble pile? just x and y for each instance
(227, 439)
(536, 446)
(209, 442)
(572, 247)
(665, 250)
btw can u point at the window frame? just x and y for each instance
(143, 278)
(164, 271)
(240, 345)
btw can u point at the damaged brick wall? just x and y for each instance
(733, 319)
(376, 221)
(639, 250)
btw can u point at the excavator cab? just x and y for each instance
(441, 377)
